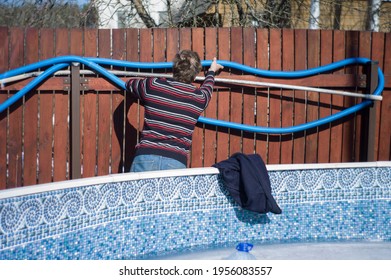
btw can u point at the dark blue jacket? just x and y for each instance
(247, 180)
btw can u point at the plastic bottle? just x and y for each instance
(242, 252)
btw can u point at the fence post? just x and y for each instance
(75, 122)
(368, 122)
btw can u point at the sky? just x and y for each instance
(81, 2)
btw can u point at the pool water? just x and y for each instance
(355, 250)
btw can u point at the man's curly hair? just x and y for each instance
(186, 66)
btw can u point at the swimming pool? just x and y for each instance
(157, 214)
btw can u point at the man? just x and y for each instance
(172, 107)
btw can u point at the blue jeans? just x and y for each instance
(153, 162)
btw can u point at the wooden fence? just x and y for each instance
(35, 132)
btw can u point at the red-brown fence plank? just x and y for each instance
(31, 115)
(326, 57)
(16, 113)
(4, 66)
(197, 150)
(222, 97)
(361, 117)
(159, 45)
(210, 112)
(262, 49)
(61, 135)
(311, 139)
(249, 93)
(274, 151)
(132, 126)
(348, 143)
(336, 133)
(378, 52)
(185, 38)
(287, 113)
(385, 106)
(300, 55)
(89, 101)
(235, 137)
(354, 40)
(119, 53)
(104, 110)
(172, 43)
(46, 113)
(75, 41)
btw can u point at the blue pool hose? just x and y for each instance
(61, 62)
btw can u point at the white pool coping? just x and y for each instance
(122, 177)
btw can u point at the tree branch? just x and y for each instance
(144, 15)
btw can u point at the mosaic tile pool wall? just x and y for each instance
(140, 218)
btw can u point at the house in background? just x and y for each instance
(123, 13)
(334, 14)
(345, 15)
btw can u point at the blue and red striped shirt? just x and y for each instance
(172, 109)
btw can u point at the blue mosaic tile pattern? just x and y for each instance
(151, 217)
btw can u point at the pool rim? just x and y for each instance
(123, 177)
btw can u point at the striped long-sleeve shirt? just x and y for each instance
(171, 112)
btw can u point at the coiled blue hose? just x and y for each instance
(58, 63)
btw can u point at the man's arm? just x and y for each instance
(136, 87)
